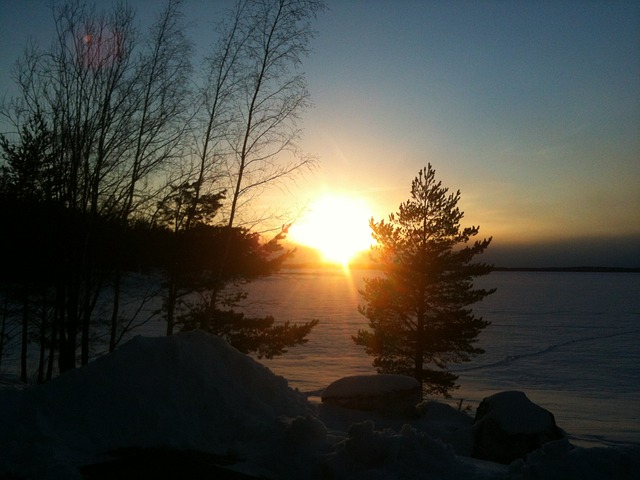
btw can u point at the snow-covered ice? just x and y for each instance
(570, 341)
(194, 391)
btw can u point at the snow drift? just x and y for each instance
(189, 391)
(193, 391)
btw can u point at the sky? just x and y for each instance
(530, 108)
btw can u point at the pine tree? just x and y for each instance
(418, 308)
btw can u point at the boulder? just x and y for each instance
(384, 393)
(508, 426)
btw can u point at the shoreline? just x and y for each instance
(331, 267)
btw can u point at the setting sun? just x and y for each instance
(336, 226)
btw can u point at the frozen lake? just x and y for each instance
(571, 341)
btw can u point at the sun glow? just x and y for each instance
(336, 226)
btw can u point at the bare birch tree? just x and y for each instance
(271, 94)
(161, 118)
(122, 115)
(247, 126)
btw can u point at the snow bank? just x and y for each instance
(193, 391)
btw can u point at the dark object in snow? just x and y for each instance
(383, 393)
(508, 426)
(137, 463)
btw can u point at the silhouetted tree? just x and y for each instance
(108, 124)
(251, 98)
(193, 262)
(246, 133)
(251, 335)
(271, 38)
(418, 309)
(28, 171)
(115, 107)
(247, 259)
(159, 126)
(184, 213)
(27, 181)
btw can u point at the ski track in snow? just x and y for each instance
(510, 359)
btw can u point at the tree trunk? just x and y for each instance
(25, 335)
(58, 314)
(69, 329)
(116, 309)
(5, 314)
(86, 318)
(43, 337)
(171, 303)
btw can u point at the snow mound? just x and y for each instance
(191, 390)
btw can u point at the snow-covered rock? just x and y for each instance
(508, 426)
(388, 393)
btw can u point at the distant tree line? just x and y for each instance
(122, 157)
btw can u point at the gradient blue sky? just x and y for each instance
(530, 108)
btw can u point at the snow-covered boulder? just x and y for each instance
(385, 393)
(508, 426)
